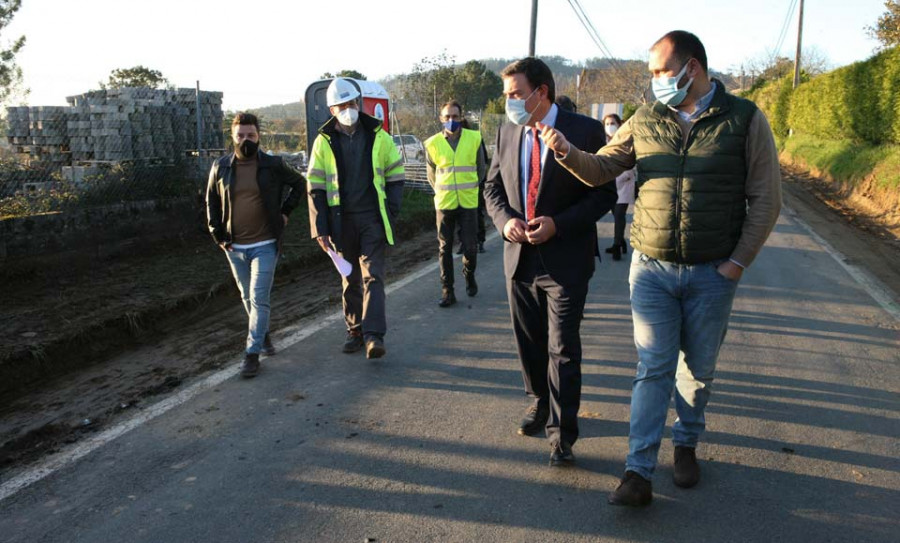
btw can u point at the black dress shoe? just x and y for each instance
(471, 285)
(375, 348)
(353, 343)
(633, 491)
(250, 365)
(268, 348)
(616, 252)
(611, 248)
(448, 298)
(534, 420)
(687, 471)
(561, 455)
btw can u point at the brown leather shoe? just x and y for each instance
(534, 420)
(375, 348)
(561, 455)
(354, 342)
(633, 491)
(448, 298)
(250, 365)
(687, 471)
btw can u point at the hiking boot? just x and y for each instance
(268, 348)
(471, 285)
(561, 455)
(354, 342)
(534, 420)
(250, 365)
(375, 348)
(448, 298)
(633, 491)
(687, 471)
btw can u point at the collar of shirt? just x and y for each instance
(701, 105)
(525, 152)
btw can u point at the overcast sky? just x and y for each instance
(268, 51)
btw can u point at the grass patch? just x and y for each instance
(848, 161)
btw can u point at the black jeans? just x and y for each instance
(447, 221)
(546, 319)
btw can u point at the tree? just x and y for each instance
(10, 72)
(435, 80)
(887, 28)
(139, 76)
(352, 74)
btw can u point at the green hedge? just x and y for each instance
(860, 102)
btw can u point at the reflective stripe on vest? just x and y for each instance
(455, 172)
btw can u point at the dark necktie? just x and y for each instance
(534, 180)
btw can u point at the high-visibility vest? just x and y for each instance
(387, 165)
(455, 172)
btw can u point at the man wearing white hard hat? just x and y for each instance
(355, 186)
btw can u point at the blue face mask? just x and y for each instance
(516, 112)
(666, 88)
(451, 126)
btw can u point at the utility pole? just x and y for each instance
(797, 56)
(534, 27)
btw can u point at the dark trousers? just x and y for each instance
(482, 213)
(546, 319)
(447, 221)
(364, 241)
(619, 214)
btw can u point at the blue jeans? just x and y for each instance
(680, 314)
(254, 271)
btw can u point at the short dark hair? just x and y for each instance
(245, 118)
(536, 72)
(685, 46)
(566, 103)
(613, 116)
(452, 103)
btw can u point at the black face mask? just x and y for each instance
(247, 150)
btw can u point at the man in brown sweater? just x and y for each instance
(246, 214)
(709, 193)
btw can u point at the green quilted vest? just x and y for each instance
(691, 201)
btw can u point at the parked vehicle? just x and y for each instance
(411, 149)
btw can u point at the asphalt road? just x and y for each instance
(802, 444)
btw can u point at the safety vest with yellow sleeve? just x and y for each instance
(455, 172)
(322, 173)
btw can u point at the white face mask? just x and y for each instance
(611, 129)
(348, 116)
(516, 112)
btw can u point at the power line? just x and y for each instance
(598, 41)
(784, 29)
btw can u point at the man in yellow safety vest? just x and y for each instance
(455, 163)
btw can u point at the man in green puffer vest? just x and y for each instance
(709, 193)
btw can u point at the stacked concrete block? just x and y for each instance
(116, 125)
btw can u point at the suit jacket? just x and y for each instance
(568, 257)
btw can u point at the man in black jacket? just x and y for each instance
(246, 212)
(548, 223)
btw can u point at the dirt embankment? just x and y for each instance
(865, 231)
(870, 204)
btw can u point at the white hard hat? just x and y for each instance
(340, 91)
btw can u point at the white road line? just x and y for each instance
(79, 450)
(876, 289)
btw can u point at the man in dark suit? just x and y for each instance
(547, 218)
